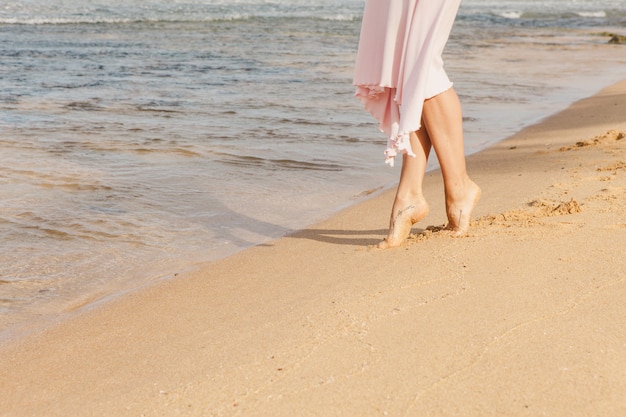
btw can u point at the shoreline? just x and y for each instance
(317, 322)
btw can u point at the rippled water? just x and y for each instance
(138, 138)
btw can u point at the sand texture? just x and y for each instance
(524, 317)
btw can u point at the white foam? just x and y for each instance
(592, 14)
(511, 15)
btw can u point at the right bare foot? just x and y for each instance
(460, 210)
(402, 220)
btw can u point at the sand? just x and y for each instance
(526, 316)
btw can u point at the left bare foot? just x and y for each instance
(402, 221)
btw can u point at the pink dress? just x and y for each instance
(399, 64)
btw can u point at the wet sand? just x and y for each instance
(524, 317)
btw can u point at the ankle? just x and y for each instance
(410, 196)
(460, 188)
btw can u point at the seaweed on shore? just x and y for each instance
(614, 38)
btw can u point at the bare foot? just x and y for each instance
(460, 211)
(401, 222)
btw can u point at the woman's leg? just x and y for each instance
(409, 206)
(442, 116)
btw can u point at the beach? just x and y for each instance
(523, 317)
(140, 140)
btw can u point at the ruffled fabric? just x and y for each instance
(399, 64)
(379, 101)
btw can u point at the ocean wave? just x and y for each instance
(276, 164)
(514, 14)
(341, 17)
(86, 20)
(38, 12)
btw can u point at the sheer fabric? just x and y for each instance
(399, 64)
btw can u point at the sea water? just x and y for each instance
(139, 138)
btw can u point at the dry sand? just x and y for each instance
(524, 317)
